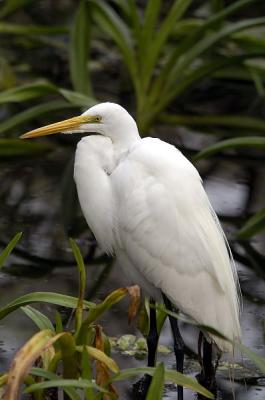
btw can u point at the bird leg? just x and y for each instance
(140, 388)
(178, 342)
(207, 376)
(152, 338)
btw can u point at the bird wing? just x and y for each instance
(165, 224)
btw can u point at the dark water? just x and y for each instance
(37, 197)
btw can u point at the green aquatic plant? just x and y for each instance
(64, 359)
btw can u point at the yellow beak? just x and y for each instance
(62, 126)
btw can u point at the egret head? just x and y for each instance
(108, 119)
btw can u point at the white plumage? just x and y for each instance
(145, 202)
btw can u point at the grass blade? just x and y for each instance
(82, 284)
(113, 298)
(42, 297)
(101, 356)
(79, 49)
(58, 322)
(27, 92)
(150, 20)
(69, 356)
(65, 383)
(40, 372)
(38, 318)
(155, 391)
(12, 5)
(209, 41)
(238, 121)
(87, 373)
(33, 112)
(17, 148)
(154, 48)
(258, 360)
(253, 226)
(42, 88)
(173, 376)
(114, 26)
(252, 141)
(17, 29)
(7, 250)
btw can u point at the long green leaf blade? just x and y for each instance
(5, 253)
(252, 141)
(42, 88)
(258, 360)
(42, 297)
(51, 376)
(33, 112)
(27, 29)
(82, 283)
(173, 376)
(211, 40)
(27, 92)
(79, 49)
(155, 46)
(238, 121)
(253, 226)
(12, 5)
(65, 383)
(113, 25)
(155, 391)
(16, 148)
(38, 318)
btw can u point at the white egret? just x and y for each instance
(145, 203)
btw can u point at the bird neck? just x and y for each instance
(124, 142)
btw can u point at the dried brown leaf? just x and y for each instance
(25, 358)
(135, 300)
(102, 372)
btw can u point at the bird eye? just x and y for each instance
(97, 118)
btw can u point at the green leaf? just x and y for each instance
(79, 48)
(254, 141)
(253, 226)
(12, 5)
(173, 376)
(27, 29)
(15, 147)
(33, 112)
(82, 283)
(69, 356)
(167, 76)
(7, 250)
(238, 121)
(113, 25)
(113, 298)
(258, 360)
(27, 92)
(42, 297)
(155, 391)
(150, 20)
(209, 41)
(77, 99)
(102, 357)
(38, 318)
(65, 383)
(42, 88)
(87, 373)
(175, 13)
(58, 323)
(51, 376)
